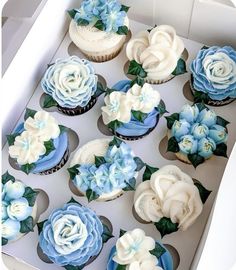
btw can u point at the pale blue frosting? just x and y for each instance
(118, 170)
(71, 82)
(135, 127)
(91, 246)
(53, 158)
(197, 132)
(165, 261)
(109, 12)
(222, 89)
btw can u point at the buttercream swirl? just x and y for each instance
(71, 82)
(158, 51)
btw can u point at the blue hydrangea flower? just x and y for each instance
(214, 72)
(76, 240)
(188, 145)
(199, 130)
(218, 134)
(10, 229)
(206, 146)
(180, 128)
(82, 13)
(189, 113)
(207, 117)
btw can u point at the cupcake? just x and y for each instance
(156, 55)
(103, 169)
(39, 145)
(132, 112)
(213, 78)
(169, 198)
(71, 85)
(19, 209)
(196, 134)
(99, 28)
(72, 236)
(136, 251)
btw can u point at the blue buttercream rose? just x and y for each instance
(214, 72)
(180, 128)
(10, 229)
(207, 117)
(71, 235)
(199, 130)
(218, 134)
(188, 144)
(71, 82)
(19, 209)
(206, 146)
(14, 190)
(189, 113)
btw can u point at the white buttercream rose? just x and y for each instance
(118, 107)
(27, 148)
(132, 246)
(43, 125)
(19, 209)
(145, 98)
(148, 261)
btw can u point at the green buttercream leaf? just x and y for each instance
(166, 226)
(49, 102)
(122, 232)
(99, 160)
(205, 47)
(221, 150)
(130, 185)
(91, 195)
(30, 195)
(201, 106)
(114, 125)
(124, 8)
(73, 171)
(221, 121)
(11, 138)
(203, 192)
(136, 69)
(158, 251)
(62, 129)
(4, 241)
(82, 22)
(140, 116)
(162, 108)
(49, 145)
(148, 172)
(140, 164)
(27, 225)
(200, 97)
(180, 68)
(27, 168)
(40, 226)
(72, 13)
(173, 145)
(29, 113)
(122, 30)
(72, 267)
(121, 267)
(72, 200)
(100, 89)
(196, 159)
(171, 119)
(7, 177)
(107, 234)
(115, 141)
(138, 80)
(100, 25)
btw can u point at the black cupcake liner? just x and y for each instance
(78, 110)
(210, 102)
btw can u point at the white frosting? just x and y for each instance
(43, 125)
(157, 51)
(132, 247)
(66, 230)
(169, 193)
(148, 261)
(27, 148)
(144, 99)
(220, 69)
(117, 107)
(91, 39)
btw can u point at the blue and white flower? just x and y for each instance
(10, 229)
(71, 235)
(4, 210)
(207, 117)
(14, 190)
(188, 144)
(180, 128)
(206, 146)
(199, 130)
(218, 134)
(189, 113)
(19, 209)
